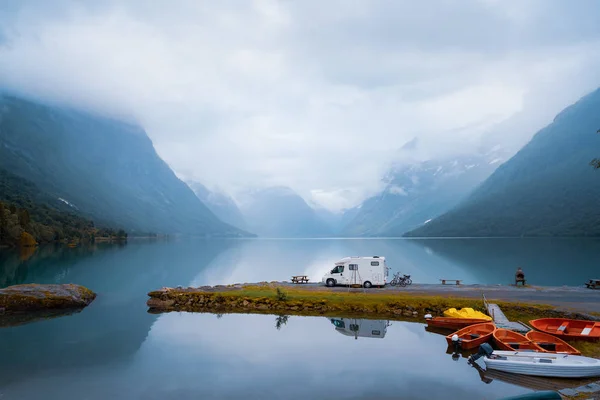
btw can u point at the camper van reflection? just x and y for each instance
(360, 327)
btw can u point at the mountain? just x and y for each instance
(222, 205)
(547, 189)
(105, 169)
(336, 220)
(417, 192)
(281, 212)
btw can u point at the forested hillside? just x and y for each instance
(28, 215)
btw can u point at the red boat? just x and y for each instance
(453, 323)
(472, 336)
(551, 344)
(572, 329)
(513, 341)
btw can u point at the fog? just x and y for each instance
(317, 96)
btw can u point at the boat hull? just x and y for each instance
(472, 336)
(508, 340)
(543, 364)
(568, 329)
(453, 323)
(552, 344)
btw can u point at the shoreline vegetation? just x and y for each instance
(280, 299)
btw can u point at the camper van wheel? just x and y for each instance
(367, 284)
(330, 282)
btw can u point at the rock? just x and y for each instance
(157, 303)
(415, 313)
(33, 297)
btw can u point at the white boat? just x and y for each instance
(543, 364)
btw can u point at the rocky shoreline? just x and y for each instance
(283, 298)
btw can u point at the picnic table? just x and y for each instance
(457, 281)
(593, 283)
(300, 279)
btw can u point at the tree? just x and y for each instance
(596, 161)
(24, 218)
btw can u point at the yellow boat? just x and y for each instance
(466, 312)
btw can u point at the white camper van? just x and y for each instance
(365, 271)
(360, 327)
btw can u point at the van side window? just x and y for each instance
(353, 267)
(337, 270)
(374, 263)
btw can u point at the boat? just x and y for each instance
(543, 364)
(506, 339)
(472, 336)
(551, 343)
(453, 323)
(465, 313)
(573, 329)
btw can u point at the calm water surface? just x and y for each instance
(115, 349)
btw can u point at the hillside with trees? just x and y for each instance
(29, 216)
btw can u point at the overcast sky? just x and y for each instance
(316, 95)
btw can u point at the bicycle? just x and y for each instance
(400, 280)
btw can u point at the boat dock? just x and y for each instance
(500, 319)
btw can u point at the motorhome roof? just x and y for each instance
(349, 259)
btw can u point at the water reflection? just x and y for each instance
(281, 320)
(355, 327)
(536, 383)
(116, 324)
(545, 261)
(482, 261)
(115, 349)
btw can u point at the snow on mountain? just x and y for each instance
(420, 191)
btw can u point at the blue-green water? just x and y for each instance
(115, 349)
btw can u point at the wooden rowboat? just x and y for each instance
(551, 343)
(453, 323)
(572, 329)
(473, 335)
(508, 340)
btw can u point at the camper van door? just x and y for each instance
(339, 273)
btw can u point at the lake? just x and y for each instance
(115, 349)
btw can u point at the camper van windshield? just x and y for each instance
(338, 270)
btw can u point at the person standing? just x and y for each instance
(519, 276)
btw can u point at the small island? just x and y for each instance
(316, 299)
(36, 297)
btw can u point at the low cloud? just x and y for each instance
(317, 96)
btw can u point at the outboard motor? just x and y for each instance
(484, 350)
(456, 342)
